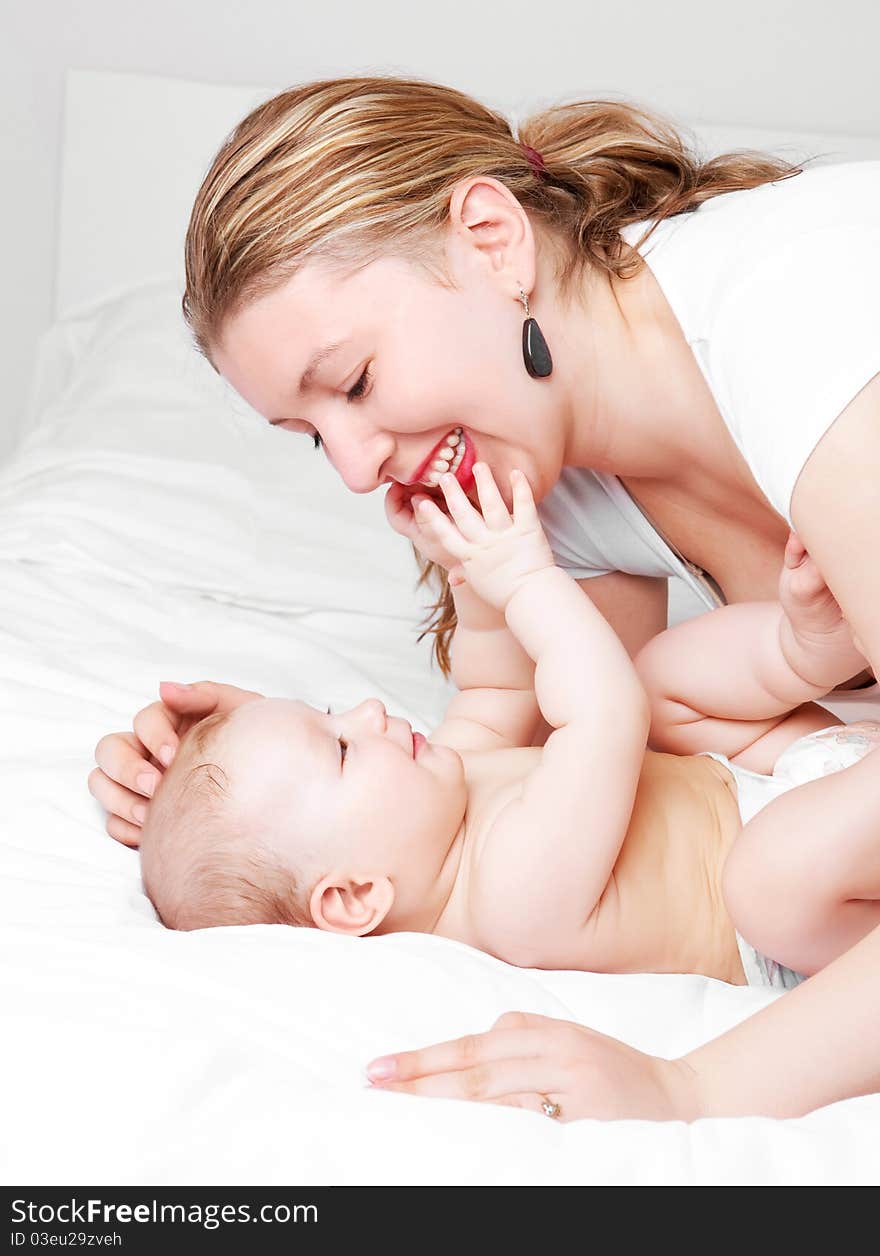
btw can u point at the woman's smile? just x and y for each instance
(455, 453)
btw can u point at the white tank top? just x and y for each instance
(777, 291)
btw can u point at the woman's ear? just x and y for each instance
(490, 223)
(350, 904)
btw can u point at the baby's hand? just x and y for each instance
(494, 553)
(815, 620)
(402, 512)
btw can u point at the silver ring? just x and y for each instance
(549, 1108)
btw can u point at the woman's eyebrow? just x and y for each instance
(315, 361)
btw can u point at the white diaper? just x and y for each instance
(807, 759)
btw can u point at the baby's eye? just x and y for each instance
(344, 745)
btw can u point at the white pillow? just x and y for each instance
(142, 462)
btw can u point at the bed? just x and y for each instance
(152, 527)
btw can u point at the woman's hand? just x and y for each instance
(525, 1059)
(130, 765)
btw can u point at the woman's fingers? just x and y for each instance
(516, 1063)
(118, 801)
(498, 1043)
(532, 1102)
(202, 698)
(122, 759)
(158, 727)
(124, 832)
(526, 1020)
(128, 764)
(482, 1083)
(399, 509)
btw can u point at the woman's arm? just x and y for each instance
(835, 508)
(818, 1043)
(814, 1045)
(636, 607)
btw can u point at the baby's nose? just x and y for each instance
(374, 709)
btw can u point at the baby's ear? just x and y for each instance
(350, 904)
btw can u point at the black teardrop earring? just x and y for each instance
(536, 354)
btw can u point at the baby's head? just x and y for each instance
(277, 813)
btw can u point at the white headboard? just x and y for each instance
(137, 146)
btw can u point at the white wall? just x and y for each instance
(804, 64)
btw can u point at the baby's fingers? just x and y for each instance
(795, 551)
(495, 512)
(468, 520)
(524, 508)
(436, 526)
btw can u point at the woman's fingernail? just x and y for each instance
(175, 684)
(382, 1070)
(146, 783)
(139, 812)
(166, 754)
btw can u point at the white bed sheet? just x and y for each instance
(148, 530)
(136, 1055)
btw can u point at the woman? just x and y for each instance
(379, 264)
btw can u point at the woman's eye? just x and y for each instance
(358, 390)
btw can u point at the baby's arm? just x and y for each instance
(496, 704)
(548, 856)
(725, 680)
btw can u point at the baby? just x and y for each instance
(590, 852)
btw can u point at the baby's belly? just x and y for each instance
(663, 910)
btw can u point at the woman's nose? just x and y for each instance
(357, 457)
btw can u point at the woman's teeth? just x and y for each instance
(448, 458)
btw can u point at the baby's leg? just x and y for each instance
(802, 883)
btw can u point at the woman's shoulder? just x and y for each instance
(834, 194)
(700, 256)
(790, 324)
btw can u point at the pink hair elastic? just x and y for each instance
(535, 160)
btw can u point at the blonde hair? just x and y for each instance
(201, 865)
(347, 170)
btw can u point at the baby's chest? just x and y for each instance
(495, 780)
